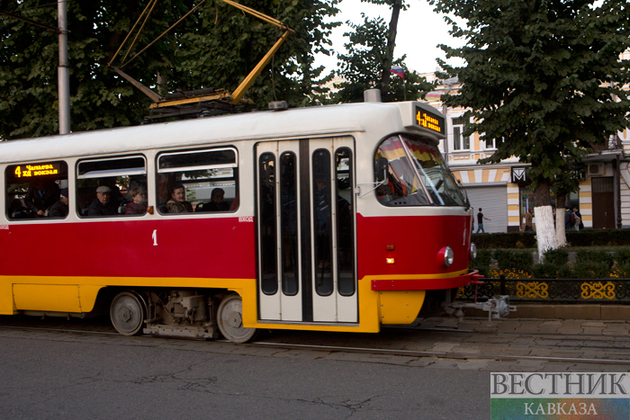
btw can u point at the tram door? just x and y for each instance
(306, 231)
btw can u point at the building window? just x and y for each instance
(493, 143)
(459, 141)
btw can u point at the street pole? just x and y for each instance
(63, 72)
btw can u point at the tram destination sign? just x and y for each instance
(430, 120)
(36, 171)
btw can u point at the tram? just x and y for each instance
(334, 218)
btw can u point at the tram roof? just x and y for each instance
(377, 117)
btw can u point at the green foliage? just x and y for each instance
(622, 255)
(565, 272)
(582, 238)
(545, 271)
(504, 240)
(558, 257)
(623, 269)
(483, 261)
(591, 270)
(216, 46)
(542, 76)
(586, 255)
(514, 260)
(598, 237)
(367, 59)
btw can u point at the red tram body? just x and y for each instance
(336, 218)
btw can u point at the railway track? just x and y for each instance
(398, 340)
(441, 355)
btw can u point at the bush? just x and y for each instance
(545, 271)
(484, 258)
(605, 257)
(584, 238)
(622, 255)
(565, 272)
(504, 240)
(623, 269)
(514, 260)
(558, 256)
(599, 237)
(591, 270)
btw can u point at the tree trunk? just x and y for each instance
(391, 42)
(561, 234)
(545, 232)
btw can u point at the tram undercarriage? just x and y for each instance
(180, 313)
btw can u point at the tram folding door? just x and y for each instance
(306, 231)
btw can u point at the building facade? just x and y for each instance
(502, 190)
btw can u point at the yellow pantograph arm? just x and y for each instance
(247, 82)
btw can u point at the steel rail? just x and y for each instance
(560, 336)
(442, 355)
(16, 327)
(365, 350)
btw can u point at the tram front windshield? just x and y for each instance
(412, 173)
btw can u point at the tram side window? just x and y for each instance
(112, 187)
(322, 215)
(35, 190)
(268, 232)
(197, 181)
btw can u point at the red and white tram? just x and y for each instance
(336, 218)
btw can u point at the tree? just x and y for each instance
(562, 186)
(216, 46)
(396, 6)
(545, 77)
(364, 65)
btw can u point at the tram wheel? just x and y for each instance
(230, 320)
(127, 313)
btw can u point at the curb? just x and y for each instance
(593, 311)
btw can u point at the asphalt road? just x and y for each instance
(93, 373)
(48, 375)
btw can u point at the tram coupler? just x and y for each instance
(497, 307)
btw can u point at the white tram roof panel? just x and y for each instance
(375, 117)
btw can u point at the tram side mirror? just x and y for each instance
(381, 169)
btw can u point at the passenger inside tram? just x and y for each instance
(138, 203)
(178, 203)
(41, 196)
(60, 208)
(102, 205)
(217, 202)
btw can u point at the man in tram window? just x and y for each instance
(138, 203)
(216, 201)
(60, 208)
(178, 203)
(102, 206)
(41, 196)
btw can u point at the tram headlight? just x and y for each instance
(445, 256)
(473, 251)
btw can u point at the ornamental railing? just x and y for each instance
(550, 290)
